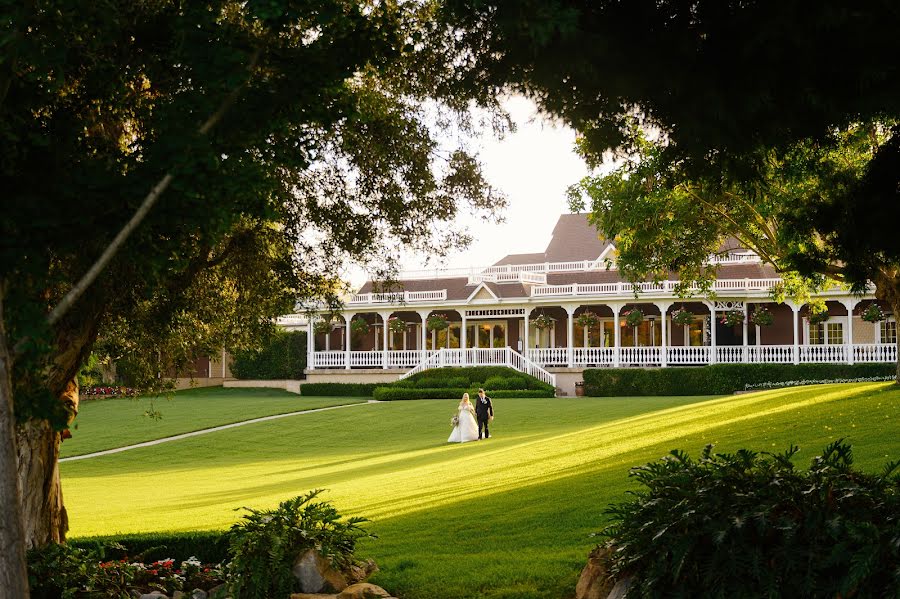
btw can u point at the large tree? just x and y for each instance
(799, 215)
(276, 140)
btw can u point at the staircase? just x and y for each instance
(500, 356)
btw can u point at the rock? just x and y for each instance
(620, 590)
(198, 594)
(593, 582)
(363, 590)
(361, 572)
(312, 596)
(154, 595)
(315, 574)
(178, 595)
(135, 593)
(217, 592)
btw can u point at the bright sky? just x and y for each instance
(533, 167)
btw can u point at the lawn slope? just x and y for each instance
(511, 517)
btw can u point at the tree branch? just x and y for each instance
(94, 271)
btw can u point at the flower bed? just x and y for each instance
(106, 391)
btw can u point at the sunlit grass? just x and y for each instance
(509, 517)
(108, 423)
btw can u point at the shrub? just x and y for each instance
(436, 382)
(284, 357)
(266, 543)
(337, 389)
(474, 376)
(751, 525)
(717, 379)
(390, 393)
(496, 383)
(207, 546)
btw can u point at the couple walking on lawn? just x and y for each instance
(465, 427)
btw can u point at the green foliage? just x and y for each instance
(283, 357)
(762, 316)
(732, 318)
(437, 322)
(682, 317)
(746, 524)
(403, 393)
(265, 544)
(207, 546)
(873, 313)
(337, 389)
(62, 572)
(359, 327)
(471, 376)
(633, 317)
(716, 379)
(542, 322)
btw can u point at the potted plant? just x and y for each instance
(873, 313)
(818, 313)
(322, 326)
(587, 320)
(762, 317)
(633, 317)
(397, 326)
(682, 317)
(359, 327)
(732, 318)
(437, 322)
(542, 322)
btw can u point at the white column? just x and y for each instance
(796, 310)
(463, 336)
(223, 363)
(850, 304)
(744, 352)
(664, 311)
(525, 342)
(617, 334)
(712, 332)
(570, 334)
(384, 333)
(423, 314)
(310, 343)
(347, 318)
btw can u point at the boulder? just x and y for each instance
(315, 574)
(312, 596)
(154, 595)
(198, 594)
(593, 582)
(364, 590)
(620, 591)
(360, 572)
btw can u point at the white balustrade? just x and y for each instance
(770, 354)
(822, 353)
(399, 297)
(594, 356)
(875, 352)
(690, 355)
(547, 356)
(730, 354)
(328, 359)
(639, 356)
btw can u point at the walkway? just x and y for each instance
(207, 431)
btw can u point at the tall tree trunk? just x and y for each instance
(13, 570)
(887, 288)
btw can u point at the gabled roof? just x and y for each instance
(574, 238)
(521, 259)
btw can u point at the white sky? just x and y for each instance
(533, 167)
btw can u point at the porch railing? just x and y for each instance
(606, 356)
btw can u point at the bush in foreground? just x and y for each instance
(751, 525)
(283, 358)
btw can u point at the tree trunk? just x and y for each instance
(887, 288)
(13, 570)
(45, 515)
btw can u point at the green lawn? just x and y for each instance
(511, 517)
(108, 423)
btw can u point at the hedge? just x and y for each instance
(717, 379)
(284, 357)
(388, 393)
(338, 389)
(210, 547)
(473, 376)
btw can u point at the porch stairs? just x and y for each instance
(498, 356)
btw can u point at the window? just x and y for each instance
(889, 331)
(835, 333)
(817, 334)
(826, 333)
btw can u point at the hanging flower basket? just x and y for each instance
(762, 317)
(397, 326)
(817, 314)
(437, 322)
(633, 317)
(682, 317)
(587, 320)
(542, 322)
(323, 327)
(873, 313)
(359, 327)
(732, 318)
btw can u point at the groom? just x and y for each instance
(484, 412)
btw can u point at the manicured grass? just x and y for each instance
(108, 423)
(511, 517)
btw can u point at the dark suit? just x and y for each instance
(484, 410)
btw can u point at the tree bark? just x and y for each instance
(13, 569)
(887, 288)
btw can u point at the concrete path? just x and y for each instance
(206, 431)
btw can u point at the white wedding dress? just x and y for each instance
(467, 429)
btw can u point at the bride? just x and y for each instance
(465, 428)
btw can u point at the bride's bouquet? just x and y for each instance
(454, 421)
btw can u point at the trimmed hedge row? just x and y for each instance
(283, 358)
(338, 389)
(717, 379)
(208, 546)
(388, 393)
(474, 376)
